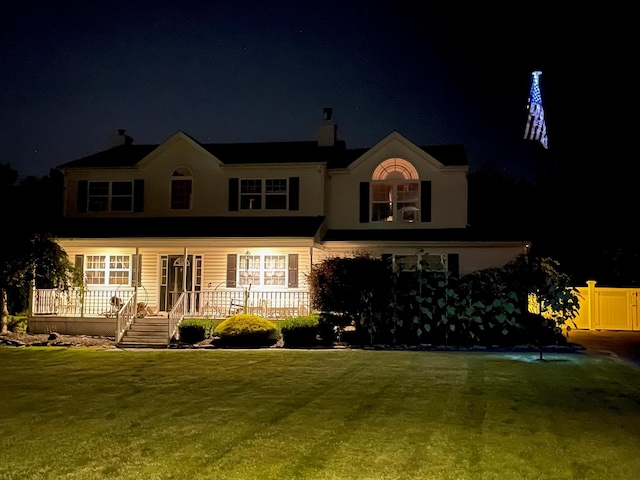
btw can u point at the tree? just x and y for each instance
(354, 287)
(26, 258)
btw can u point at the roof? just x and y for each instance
(422, 235)
(338, 156)
(172, 227)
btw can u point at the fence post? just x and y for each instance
(591, 284)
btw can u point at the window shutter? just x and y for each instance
(138, 195)
(79, 262)
(83, 193)
(364, 202)
(234, 184)
(232, 260)
(293, 270)
(453, 262)
(294, 193)
(425, 201)
(136, 270)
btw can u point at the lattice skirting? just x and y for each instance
(97, 327)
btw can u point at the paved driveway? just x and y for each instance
(624, 344)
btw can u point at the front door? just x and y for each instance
(177, 277)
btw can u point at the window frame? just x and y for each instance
(263, 192)
(261, 268)
(181, 199)
(102, 198)
(106, 267)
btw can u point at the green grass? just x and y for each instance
(336, 414)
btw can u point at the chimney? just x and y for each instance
(327, 130)
(120, 139)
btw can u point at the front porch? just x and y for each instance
(80, 311)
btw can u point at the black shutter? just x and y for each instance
(293, 270)
(294, 193)
(138, 195)
(425, 201)
(453, 262)
(232, 260)
(79, 262)
(233, 194)
(364, 202)
(83, 193)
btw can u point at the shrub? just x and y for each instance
(300, 331)
(245, 330)
(17, 323)
(194, 330)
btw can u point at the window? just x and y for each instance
(106, 270)
(181, 187)
(110, 196)
(268, 270)
(395, 192)
(268, 194)
(428, 262)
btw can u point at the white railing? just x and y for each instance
(125, 316)
(268, 304)
(176, 315)
(80, 302)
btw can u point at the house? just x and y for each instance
(192, 229)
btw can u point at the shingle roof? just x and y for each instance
(338, 156)
(176, 227)
(423, 235)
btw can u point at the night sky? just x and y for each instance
(74, 72)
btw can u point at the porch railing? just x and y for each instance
(176, 315)
(268, 304)
(125, 316)
(78, 302)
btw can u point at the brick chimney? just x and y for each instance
(327, 130)
(120, 139)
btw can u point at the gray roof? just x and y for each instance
(338, 156)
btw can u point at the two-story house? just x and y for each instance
(186, 228)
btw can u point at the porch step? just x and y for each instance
(147, 332)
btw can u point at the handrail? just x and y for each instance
(125, 316)
(176, 315)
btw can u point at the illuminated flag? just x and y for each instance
(536, 128)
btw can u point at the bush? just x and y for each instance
(194, 330)
(300, 331)
(245, 330)
(17, 323)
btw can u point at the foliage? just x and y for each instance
(194, 330)
(246, 330)
(300, 331)
(17, 323)
(26, 258)
(353, 286)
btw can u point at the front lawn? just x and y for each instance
(323, 414)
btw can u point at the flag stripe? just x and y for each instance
(536, 128)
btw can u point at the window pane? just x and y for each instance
(278, 185)
(121, 188)
(121, 204)
(250, 186)
(180, 194)
(276, 202)
(251, 202)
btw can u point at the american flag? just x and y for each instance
(536, 128)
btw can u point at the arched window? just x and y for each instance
(395, 192)
(181, 187)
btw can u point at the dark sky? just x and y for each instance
(73, 72)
